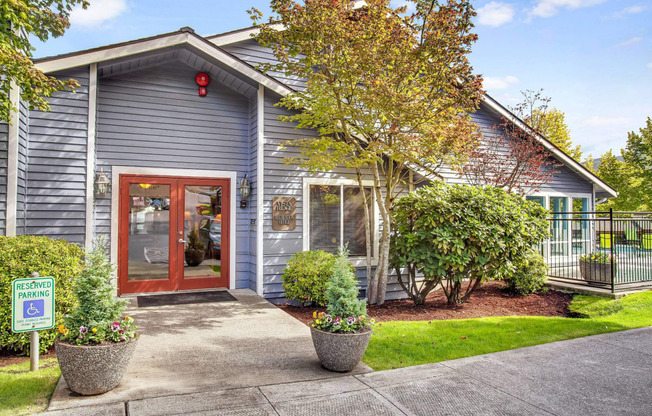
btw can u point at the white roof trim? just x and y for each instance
(120, 51)
(239, 35)
(558, 153)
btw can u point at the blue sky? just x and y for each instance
(593, 57)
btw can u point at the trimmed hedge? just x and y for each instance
(19, 257)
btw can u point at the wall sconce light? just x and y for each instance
(101, 184)
(245, 191)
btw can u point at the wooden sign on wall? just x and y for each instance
(284, 213)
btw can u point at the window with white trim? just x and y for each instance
(336, 217)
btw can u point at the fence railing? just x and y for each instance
(607, 248)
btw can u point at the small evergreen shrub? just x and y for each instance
(305, 277)
(98, 314)
(19, 257)
(345, 312)
(528, 275)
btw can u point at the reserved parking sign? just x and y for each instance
(32, 304)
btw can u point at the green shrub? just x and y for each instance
(305, 277)
(461, 235)
(97, 317)
(346, 313)
(19, 257)
(529, 274)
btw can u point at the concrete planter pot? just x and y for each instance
(594, 272)
(94, 369)
(340, 352)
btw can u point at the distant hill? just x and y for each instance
(596, 162)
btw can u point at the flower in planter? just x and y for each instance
(342, 300)
(98, 308)
(597, 257)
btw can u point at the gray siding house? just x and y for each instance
(174, 163)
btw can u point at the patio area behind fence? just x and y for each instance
(625, 237)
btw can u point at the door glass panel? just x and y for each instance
(560, 230)
(149, 231)
(202, 231)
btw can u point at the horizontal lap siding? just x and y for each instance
(23, 144)
(254, 54)
(253, 179)
(287, 180)
(56, 175)
(565, 181)
(155, 118)
(4, 130)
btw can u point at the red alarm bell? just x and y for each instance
(202, 80)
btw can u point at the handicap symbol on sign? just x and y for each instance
(33, 308)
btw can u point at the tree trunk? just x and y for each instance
(368, 215)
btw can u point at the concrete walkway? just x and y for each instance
(599, 375)
(209, 347)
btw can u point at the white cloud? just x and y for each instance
(499, 83)
(629, 42)
(100, 11)
(649, 65)
(601, 121)
(629, 10)
(548, 8)
(495, 14)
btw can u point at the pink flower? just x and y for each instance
(115, 326)
(83, 330)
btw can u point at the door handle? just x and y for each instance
(181, 240)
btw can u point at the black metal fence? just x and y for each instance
(607, 249)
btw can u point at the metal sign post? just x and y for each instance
(32, 310)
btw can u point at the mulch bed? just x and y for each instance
(11, 357)
(492, 299)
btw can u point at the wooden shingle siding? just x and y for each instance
(56, 174)
(4, 130)
(155, 118)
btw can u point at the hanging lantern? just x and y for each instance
(101, 184)
(202, 80)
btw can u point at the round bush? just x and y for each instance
(306, 274)
(528, 275)
(19, 257)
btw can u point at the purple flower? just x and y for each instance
(115, 326)
(83, 330)
(350, 320)
(329, 319)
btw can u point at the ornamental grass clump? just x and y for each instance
(345, 312)
(98, 315)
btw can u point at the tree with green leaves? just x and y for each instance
(18, 20)
(549, 122)
(386, 90)
(632, 176)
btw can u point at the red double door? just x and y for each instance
(173, 233)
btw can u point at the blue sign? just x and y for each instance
(33, 308)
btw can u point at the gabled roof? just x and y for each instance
(549, 146)
(184, 36)
(211, 46)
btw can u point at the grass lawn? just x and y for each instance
(23, 392)
(406, 343)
